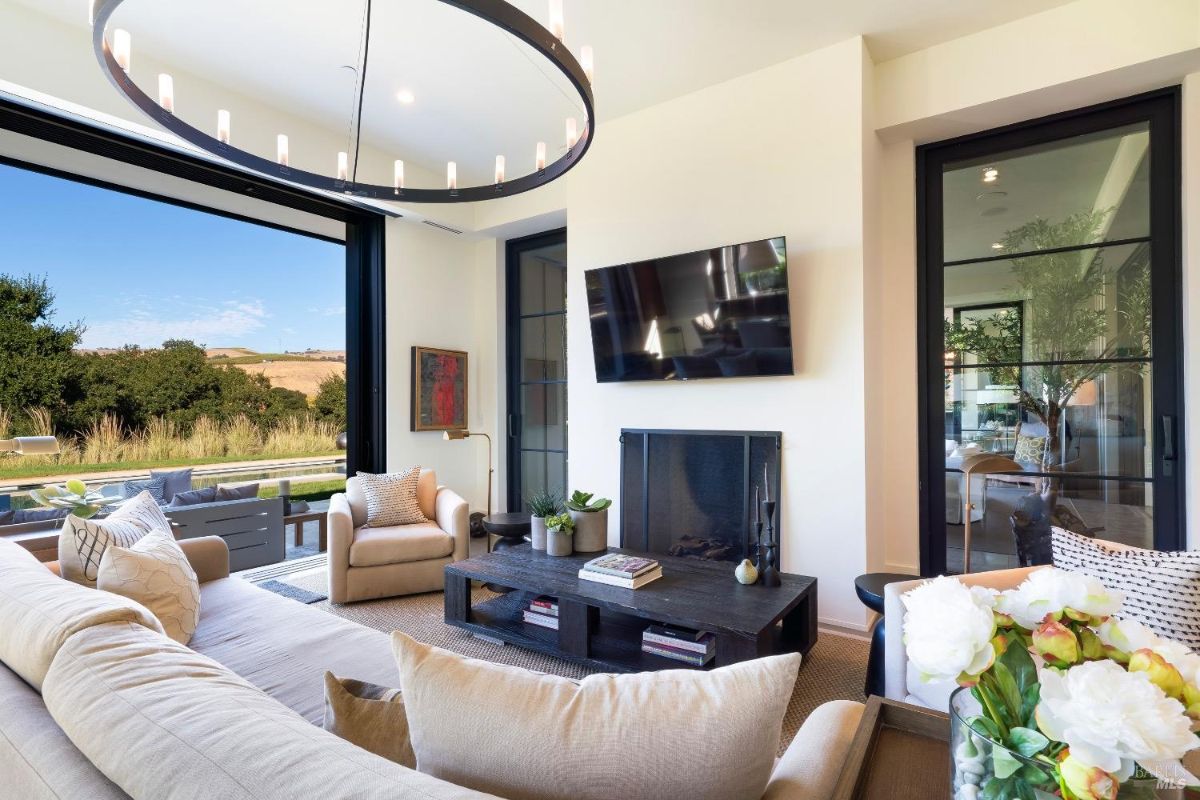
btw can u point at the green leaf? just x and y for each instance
(997, 789)
(1037, 777)
(1029, 702)
(1026, 741)
(1009, 692)
(1004, 763)
(76, 486)
(1019, 663)
(985, 726)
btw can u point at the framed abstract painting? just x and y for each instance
(439, 389)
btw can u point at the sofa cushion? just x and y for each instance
(82, 542)
(370, 716)
(539, 737)
(155, 573)
(39, 611)
(194, 497)
(162, 721)
(37, 759)
(174, 481)
(155, 486)
(427, 493)
(284, 647)
(247, 491)
(399, 544)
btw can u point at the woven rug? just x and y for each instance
(834, 670)
(293, 592)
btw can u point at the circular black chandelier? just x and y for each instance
(113, 52)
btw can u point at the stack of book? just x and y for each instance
(543, 611)
(680, 644)
(614, 569)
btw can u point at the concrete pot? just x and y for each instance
(591, 531)
(537, 533)
(558, 544)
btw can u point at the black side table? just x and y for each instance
(869, 589)
(511, 527)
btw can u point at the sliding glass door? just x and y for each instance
(1051, 336)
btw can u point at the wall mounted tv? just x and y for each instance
(720, 313)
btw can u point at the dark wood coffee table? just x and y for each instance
(601, 626)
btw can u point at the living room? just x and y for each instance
(883, 146)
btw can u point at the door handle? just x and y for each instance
(1168, 447)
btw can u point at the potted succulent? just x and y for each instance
(541, 506)
(591, 521)
(558, 535)
(73, 495)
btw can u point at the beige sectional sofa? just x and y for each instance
(95, 702)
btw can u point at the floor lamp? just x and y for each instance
(451, 436)
(30, 445)
(981, 464)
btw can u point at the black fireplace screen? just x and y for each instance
(691, 493)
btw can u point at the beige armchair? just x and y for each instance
(366, 563)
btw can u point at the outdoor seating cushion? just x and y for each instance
(399, 544)
(703, 735)
(39, 611)
(194, 497)
(162, 721)
(174, 481)
(246, 491)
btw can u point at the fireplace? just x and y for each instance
(691, 493)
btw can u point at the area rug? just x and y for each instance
(293, 592)
(834, 670)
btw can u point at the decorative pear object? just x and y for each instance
(746, 572)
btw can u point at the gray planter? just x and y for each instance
(558, 544)
(537, 532)
(591, 531)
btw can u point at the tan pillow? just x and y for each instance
(82, 542)
(156, 573)
(369, 716)
(648, 736)
(391, 498)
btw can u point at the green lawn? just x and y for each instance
(311, 492)
(10, 473)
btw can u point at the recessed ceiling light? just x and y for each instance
(990, 174)
(405, 96)
(997, 246)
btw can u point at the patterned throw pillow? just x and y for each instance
(82, 542)
(1029, 449)
(1162, 590)
(392, 498)
(155, 486)
(156, 573)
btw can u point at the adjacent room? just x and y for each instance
(592, 399)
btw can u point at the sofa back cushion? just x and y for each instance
(82, 542)
(156, 573)
(646, 736)
(39, 611)
(162, 721)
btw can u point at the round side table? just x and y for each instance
(869, 589)
(511, 527)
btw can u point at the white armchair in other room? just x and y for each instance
(366, 563)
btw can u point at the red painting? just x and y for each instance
(439, 389)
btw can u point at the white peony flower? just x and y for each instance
(948, 629)
(1051, 590)
(1110, 718)
(1129, 636)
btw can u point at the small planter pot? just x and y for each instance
(591, 531)
(558, 544)
(537, 533)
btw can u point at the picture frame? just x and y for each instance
(439, 383)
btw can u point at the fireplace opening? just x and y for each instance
(691, 493)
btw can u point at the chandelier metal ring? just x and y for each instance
(496, 12)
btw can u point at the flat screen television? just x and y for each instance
(720, 313)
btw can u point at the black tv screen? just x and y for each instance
(719, 313)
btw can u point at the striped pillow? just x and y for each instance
(392, 498)
(1162, 590)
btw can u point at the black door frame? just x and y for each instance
(366, 409)
(1161, 109)
(512, 326)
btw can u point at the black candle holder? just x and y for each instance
(768, 574)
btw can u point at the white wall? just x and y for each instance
(736, 162)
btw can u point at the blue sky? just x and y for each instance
(138, 271)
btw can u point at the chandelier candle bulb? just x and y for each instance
(541, 156)
(451, 175)
(223, 126)
(343, 169)
(499, 169)
(587, 60)
(398, 176)
(572, 132)
(557, 26)
(281, 149)
(122, 46)
(166, 93)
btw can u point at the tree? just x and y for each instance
(38, 356)
(330, 403)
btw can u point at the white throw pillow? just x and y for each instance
(392, 498)
(1162, 590)
(156, 573)
(703, 735)
(82, 542)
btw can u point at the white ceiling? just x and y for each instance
(478, 92)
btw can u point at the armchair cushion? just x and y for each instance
(399, 544)
(390, 498)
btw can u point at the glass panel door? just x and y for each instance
(1051, 300)
(537, 367)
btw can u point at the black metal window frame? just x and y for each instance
(1159, 109)
(366, 410)
(513, 316)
